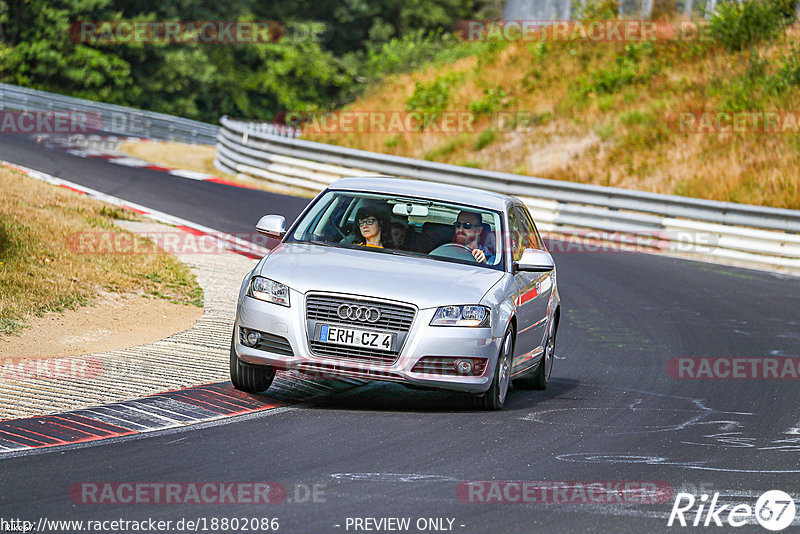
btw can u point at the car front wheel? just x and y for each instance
(247, 377)
(495, 398)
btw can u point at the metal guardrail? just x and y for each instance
(271, 128)
(125, 121)
(715, 229)
(110, 118)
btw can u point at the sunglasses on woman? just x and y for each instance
(367, 222)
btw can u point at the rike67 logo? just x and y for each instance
(774, 510)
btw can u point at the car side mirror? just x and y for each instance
(272, 226)
(533, 260)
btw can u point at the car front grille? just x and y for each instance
(393, 316)
(323, 309)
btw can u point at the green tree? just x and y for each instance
(38, 51)
(330, 51)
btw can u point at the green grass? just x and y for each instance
(606, 130)
(493, 99)
(10, 326)
(433, 96)
(441, 151)
(485, 138)
(472, 163)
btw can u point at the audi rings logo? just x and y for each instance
(359, 313)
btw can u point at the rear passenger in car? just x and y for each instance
(399, 233)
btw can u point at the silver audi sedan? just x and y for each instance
(418, 283)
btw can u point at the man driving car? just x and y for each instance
(468, 230)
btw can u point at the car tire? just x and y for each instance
(495, 397)
(539, 378)
(545, 369)
(248, 377)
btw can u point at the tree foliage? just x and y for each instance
(739, 25)
(331, 49)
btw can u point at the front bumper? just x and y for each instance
(422, 340)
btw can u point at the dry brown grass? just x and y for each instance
(199, 158)
(627, 137)
(40, 271)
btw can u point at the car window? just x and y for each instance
(522, 232)
(532, 240)
(320, 221)
(405, 225)
(515, 235)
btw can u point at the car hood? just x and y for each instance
(420, 281)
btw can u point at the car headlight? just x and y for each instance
(469, 315)
(269, 290)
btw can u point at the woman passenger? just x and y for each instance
(373, 230)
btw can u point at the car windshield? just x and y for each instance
(392, 224)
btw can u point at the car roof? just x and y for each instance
(424, 189)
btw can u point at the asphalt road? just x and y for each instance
(228, 209)
(611, 413)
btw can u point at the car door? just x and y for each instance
(531, 293)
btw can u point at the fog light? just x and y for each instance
(463, 367)
(253, 338)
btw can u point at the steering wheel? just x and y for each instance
(333, 225)
(455, 251)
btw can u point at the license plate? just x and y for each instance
(354, 337)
